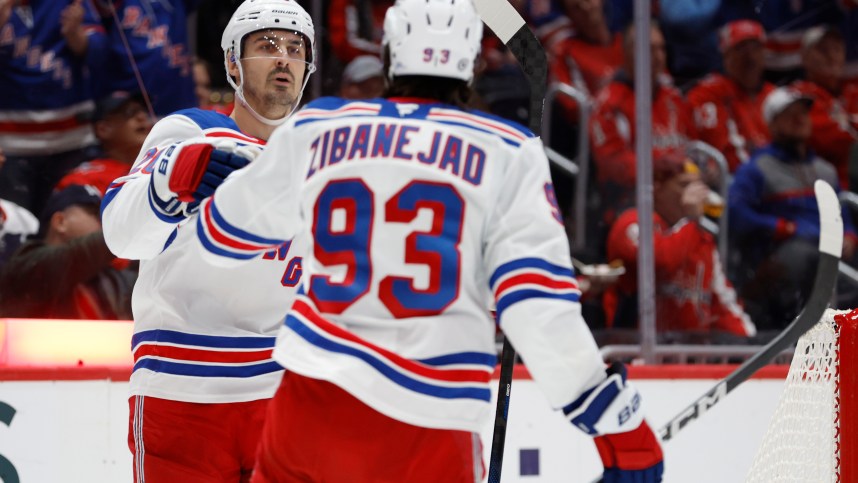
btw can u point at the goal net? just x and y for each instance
(808, 439)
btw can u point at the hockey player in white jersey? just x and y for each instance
(419, 214)
(203, 371)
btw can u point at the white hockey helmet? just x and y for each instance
(254, 15)
(438, 38)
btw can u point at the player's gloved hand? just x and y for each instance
(611, 412)
(189, 172)
(631, 457)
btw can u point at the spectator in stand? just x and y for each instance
(46, 100)
(121, 125)
(786, 22)
(549, 21)
(612, 131)
(363, 78)
(69, 274)
(588, 59)
(835, 135)
(355, 27)
(774, 218)
(149, 42)
(203, 83)
(691, 31)
(692, 292)
(16, 225)
(728, 107)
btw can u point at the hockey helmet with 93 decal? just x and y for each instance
(439, 38)
(255, 15)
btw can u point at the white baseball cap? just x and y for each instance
(362, 68)
(781, 98)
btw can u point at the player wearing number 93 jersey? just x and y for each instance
(420, 214)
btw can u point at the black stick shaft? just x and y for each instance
(501, 412)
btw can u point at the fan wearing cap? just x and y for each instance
(203, 335)
(834, 115)
(728, 107)
(693, 295)
(121, 125)
(363, 78)
(68, 273)
(774, 218)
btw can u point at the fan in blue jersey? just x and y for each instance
(149, 51)
(48, 50)
(203, 336)
(420, 215)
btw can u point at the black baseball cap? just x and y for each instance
(83, 195)
(113, 101)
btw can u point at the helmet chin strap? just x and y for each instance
(239, 94)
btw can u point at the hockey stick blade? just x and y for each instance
(830, 246)
(511, 29)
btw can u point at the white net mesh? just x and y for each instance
(802, 440)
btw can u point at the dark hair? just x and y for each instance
(455, 92)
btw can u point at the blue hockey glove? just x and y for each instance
(189, 172)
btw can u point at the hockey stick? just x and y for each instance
(830, 246)
(510, 28)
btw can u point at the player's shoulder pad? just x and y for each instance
(207, 119)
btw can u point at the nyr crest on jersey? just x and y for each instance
(405, 109)
(395, 141)
(293, 272)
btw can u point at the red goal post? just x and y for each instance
(813, 435)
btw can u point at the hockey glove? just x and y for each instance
(611, 412)
(189, 172)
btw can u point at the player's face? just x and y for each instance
(274, 64)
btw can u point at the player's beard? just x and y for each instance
(270, 101)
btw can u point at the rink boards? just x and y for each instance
(67, 420)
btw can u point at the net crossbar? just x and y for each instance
(807, 434)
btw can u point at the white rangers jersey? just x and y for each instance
(201, 333)
(419, 218)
